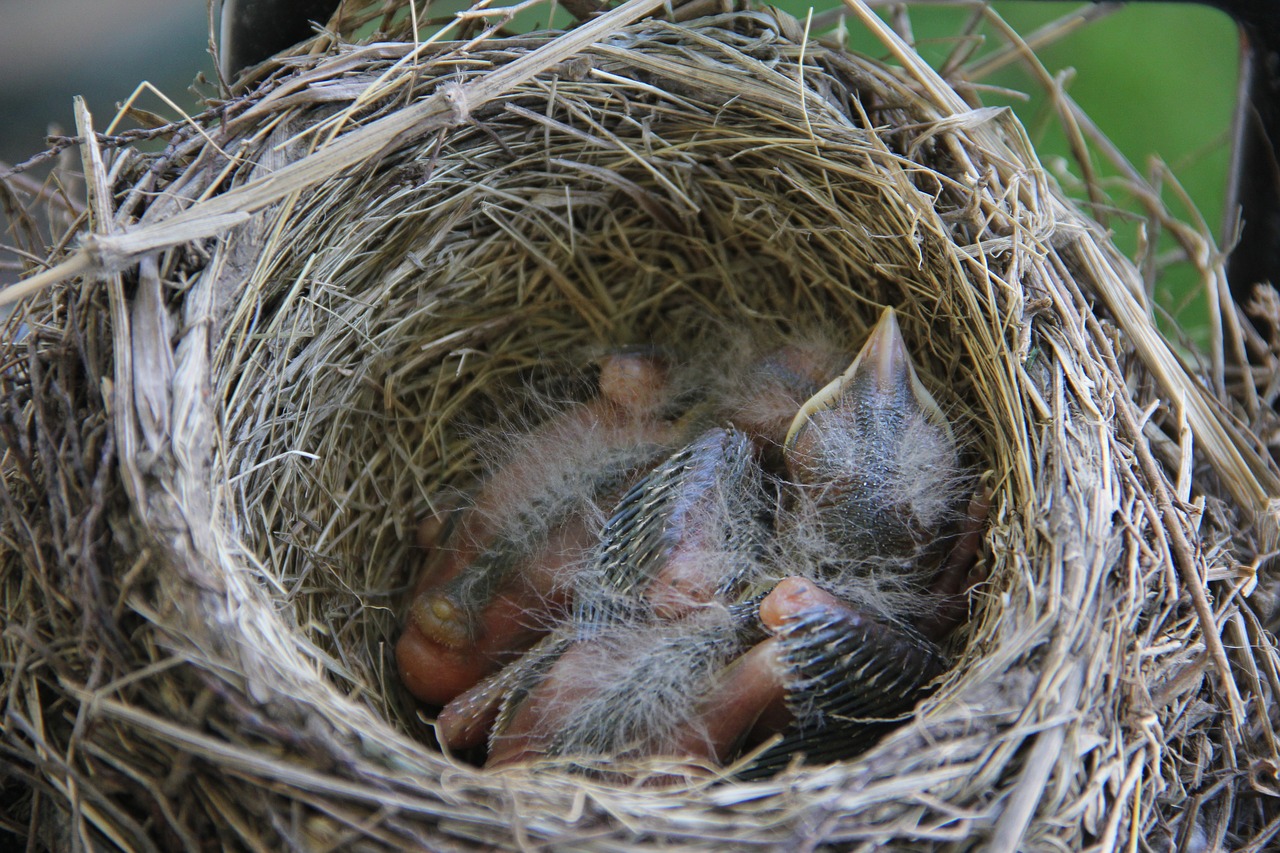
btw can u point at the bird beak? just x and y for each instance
(882, 371)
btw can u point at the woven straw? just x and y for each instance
(225, 409)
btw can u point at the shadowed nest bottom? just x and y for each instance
(216, 457)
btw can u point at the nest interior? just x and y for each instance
(216, 451)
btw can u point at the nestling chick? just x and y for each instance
(630, 691)
(500, 578)
(758, 581)
(876, 482)
(688, 533)
(652, 618)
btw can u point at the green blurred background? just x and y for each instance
(1158, 78)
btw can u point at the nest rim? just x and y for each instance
(987, 327)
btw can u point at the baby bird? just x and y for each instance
(630, 691)
(496, 583)
(786, 577)
(875, 479)
(876, 484)
(829, 680)
(686, 535)
(652, 618)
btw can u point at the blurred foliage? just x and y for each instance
(1158, 79)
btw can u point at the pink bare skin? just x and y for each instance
(747, 703)
(467, 719)
(440, 655)
(446, 648)
(683, 585)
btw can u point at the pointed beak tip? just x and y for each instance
(883, 367)
(884, 355)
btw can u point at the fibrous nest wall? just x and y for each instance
(284, 334)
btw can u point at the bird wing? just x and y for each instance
(699, 519)
(849, 676)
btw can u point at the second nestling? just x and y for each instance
(784, 553)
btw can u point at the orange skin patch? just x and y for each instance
(691, 574)
(444, 650)
(682, 586)
(792, 596)
(634, 382)
(746, 705)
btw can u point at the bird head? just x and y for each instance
(873, 455)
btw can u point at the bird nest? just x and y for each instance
(225, 411)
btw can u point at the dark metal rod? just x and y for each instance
(1253, 192)
(1253, 186)
(253, 30)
